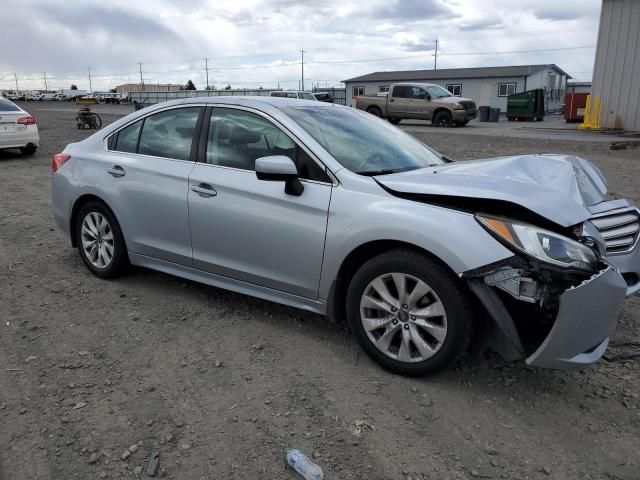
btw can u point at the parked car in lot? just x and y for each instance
(294, 94)
(419, 101)
(332, 210)
(18, 129)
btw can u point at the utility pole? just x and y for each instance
(435, 56)
(90, 88)
(15, 75)
(46, 89)
(141, 79)
(302, 52)
(206, 67)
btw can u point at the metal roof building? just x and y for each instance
(486, 85)
(616, 72)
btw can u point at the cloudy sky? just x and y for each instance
(252, 43)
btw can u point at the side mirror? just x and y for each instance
(279, 168)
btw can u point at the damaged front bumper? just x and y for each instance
(548, 327)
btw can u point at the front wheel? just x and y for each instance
(100, 241)
(409, 313)
(443, 119)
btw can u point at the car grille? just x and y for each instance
(620, 229)
(468, 105)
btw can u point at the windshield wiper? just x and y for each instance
(387, 171)
(373, 173)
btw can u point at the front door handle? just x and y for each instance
(116, 171)
(204, 190)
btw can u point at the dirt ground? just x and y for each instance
(92, 371)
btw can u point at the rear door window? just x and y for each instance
(169, 134)
(401, 91)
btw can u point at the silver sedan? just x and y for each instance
(331, 210)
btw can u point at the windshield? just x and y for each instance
(438, 92)
(307, 96)
(362, 142)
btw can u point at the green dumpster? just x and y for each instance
(527, 105)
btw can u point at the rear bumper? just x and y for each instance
(20, 139)
(587, 316)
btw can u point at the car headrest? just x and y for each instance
(224, 131)
(241, 135)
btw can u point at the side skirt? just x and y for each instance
(315, 306)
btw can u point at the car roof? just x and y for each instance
(416, 84)
(255, 101)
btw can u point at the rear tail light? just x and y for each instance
(27, 121)
(58, 160)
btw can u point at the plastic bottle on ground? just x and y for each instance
(302, 464)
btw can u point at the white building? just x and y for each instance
(488, 86)
(616, 72)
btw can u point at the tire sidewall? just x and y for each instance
(446, 287)
(444, 114)
(120, 259)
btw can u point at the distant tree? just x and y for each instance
(228, 87)
(210, 87)
(113, 90)
(190, 85)
(260, 87)
(73, 86)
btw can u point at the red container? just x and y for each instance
(574, 106)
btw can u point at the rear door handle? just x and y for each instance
(204, 190)
(116, 171)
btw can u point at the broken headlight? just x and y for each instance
(544, 245)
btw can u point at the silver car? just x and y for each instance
(332, 210)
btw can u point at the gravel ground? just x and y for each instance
(95, 375)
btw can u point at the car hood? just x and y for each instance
(454, 99)
(557, 187)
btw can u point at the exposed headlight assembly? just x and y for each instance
(457, 106)
(541, 244)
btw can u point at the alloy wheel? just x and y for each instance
(97, 240)
(403, 317)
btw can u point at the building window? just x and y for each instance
(383, 88)
(358, 91)
(506, 89)
(455, 89)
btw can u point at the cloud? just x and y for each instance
(558, 14)
(485, 24)
(409, 10)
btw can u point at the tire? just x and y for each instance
(442, 119)
(375, 111)
(28, 150)
(394, 120)
(98, 121)
(447, 305)
(119, 260)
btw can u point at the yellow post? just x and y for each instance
(591, 119)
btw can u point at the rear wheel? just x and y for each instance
(28, 150)
(442, 119)
(409, 313)
(100, 241)
(375, 111)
